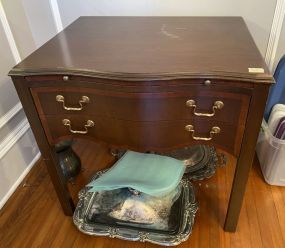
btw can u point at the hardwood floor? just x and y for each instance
(33, 217)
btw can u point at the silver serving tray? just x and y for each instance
(188, 211)
(201, 160)
(192, 156)
(207, 166)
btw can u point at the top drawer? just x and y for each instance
(210, 104)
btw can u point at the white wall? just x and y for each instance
(8, 93)
(40, 19)
(258, 14)
(24, 26)
(19, 25)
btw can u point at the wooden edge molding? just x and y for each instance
(246, 77)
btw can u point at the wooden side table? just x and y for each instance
(147, 83)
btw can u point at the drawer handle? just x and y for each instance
(89, 123)
(214, 130)
(84, 100)
(217, 105)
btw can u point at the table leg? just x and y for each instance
(246, 156)
(48, 153)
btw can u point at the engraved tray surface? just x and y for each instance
(188, 208)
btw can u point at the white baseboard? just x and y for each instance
(10, 140)
(19, 180)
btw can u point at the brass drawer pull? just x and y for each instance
(84, 100)
(214, 130)
(217, 105)
(67, 122)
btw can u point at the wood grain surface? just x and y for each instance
(125, 113)
(145, 106)
(144, 136)
(134, 48)
(33, 216)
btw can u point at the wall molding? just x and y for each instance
(6, 145)
(56, 15)
(9, 34)
(13, 137)
(19, 180)
(275, 32)
(10, 114)
(16, 55)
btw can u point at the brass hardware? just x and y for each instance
(65, 78)
(89, 123)
(214, 130)
(207, 82)
(217, 105)
(84, 100)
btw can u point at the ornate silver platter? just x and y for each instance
(194, 157)
(201, 161)
(188, 208)
(207, 167)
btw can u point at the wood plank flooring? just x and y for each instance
(33, 217)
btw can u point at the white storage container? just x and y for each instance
(271, 154)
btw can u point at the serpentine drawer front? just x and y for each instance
(147, 84)
(158, 135)
(210, 104)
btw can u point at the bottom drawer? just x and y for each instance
(142, 136)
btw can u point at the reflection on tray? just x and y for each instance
(92, 215)
(130, 215)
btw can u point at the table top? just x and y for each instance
(151, 48)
